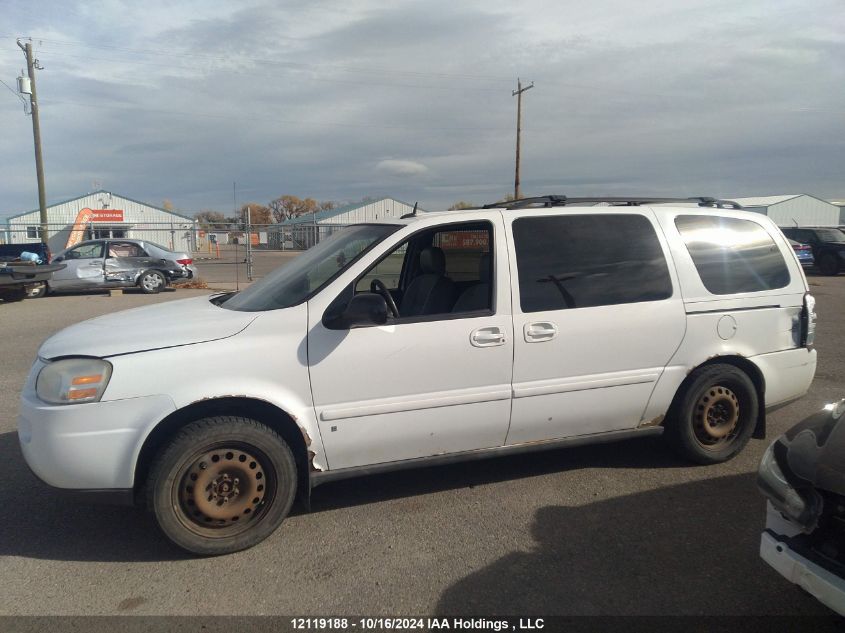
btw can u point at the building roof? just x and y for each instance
(310, 218)
(94, 193)
(765, 201)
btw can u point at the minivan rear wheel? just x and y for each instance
(714, 417)
(223, 484)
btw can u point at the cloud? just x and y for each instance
(394, 167)
(307, 97)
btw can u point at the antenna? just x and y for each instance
(412, 214)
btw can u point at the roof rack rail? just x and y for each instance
(562, 201)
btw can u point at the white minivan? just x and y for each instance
(439, 337)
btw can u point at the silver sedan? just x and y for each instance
(120, 263)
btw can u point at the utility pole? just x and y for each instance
(518, 94)
(248, 243)
(31, 66)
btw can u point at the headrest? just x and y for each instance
(484, 267)
(432, 261)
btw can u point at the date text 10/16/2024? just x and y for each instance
(419, 624)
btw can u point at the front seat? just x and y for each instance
(477, 296)
(430, 292)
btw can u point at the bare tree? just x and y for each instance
(259, 214)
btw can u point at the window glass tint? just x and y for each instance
(464, 284)
(93, 250)
(388, 271)
(581, 261)
(463, 250)
(830, 235)
(732, 255)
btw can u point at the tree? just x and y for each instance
(167, 205)
(461, 204)
(287, 207)
(209, 219)
(258, 213)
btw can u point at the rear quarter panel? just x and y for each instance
(755, 325)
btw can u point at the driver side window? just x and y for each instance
(441, 271)
(388, 270)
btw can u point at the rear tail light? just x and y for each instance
(808, 321)
(185, 262)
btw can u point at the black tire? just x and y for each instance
(829, 264)
(151, 282)
(9, 295)
(37, 292)
(713, 418)
(222, 484)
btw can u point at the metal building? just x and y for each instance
(794, 210)
(104, 214)
(306, 230)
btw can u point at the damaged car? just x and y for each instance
(120, 263)
(803, 476)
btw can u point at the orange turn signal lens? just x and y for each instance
(81, 394)
(87, 380)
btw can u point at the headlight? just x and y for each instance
(73, 380)
(773, 484)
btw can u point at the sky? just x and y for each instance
(345, 100)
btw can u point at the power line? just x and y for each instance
(254, 71)
(341, 68)
(13, 91)
(271, 119)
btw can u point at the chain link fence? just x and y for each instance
(225, 253)
(189, 238)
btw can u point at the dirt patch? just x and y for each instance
(193, 284)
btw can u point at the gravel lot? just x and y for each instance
(612, 529)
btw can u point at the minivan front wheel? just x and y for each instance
(151, 282)
(715, 415)
(223, 484)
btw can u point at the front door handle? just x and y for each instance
(539, 331)
(487, 337)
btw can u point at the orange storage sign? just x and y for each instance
(108, 215)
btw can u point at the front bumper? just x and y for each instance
(826, 587)
(87, 446)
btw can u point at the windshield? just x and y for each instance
(294, 282)
(830, 235)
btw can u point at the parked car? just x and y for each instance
(804, 253)
(12, 252)
(433, 338)
(21, 279)
(828, 246)
(120, 263)
(25, 270)
(803, 476)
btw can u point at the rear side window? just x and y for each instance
(582, 261)
(732, 255)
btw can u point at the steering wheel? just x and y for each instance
(377, 286)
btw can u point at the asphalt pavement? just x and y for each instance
(614, 529)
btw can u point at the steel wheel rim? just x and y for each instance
(209, 500)
(151, 282)
(716, 417)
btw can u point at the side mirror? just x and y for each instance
(58, 259)
(363, 310)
